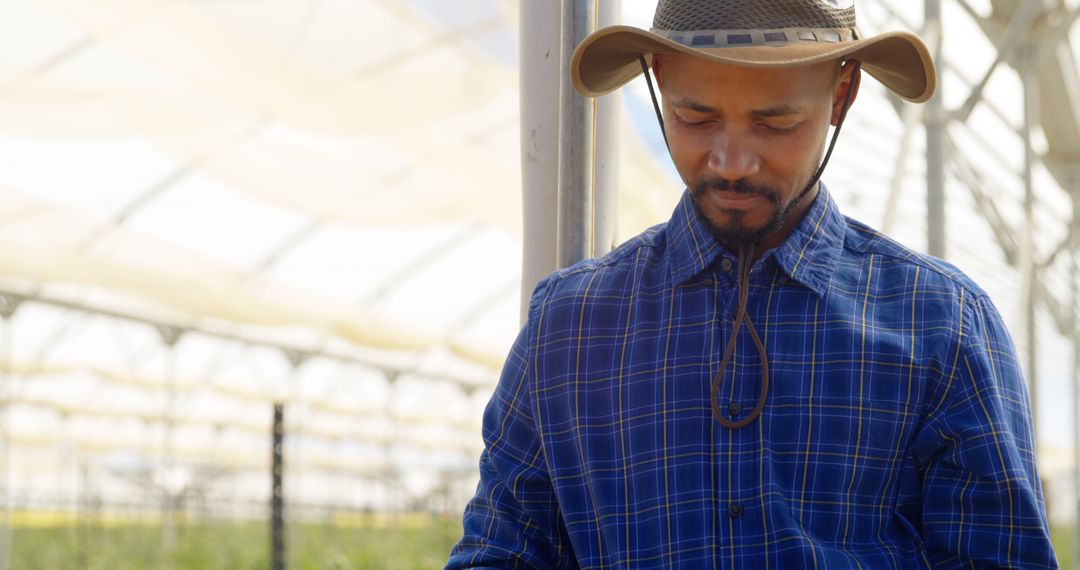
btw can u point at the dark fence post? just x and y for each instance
(277, 495)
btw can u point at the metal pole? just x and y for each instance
(82, 513)
(169, 336)
(299, 411)
(1030, 80)
(606, 228)
(539, 58)
(934, 120)
(577, 139)
(277, 496)
(7, 395)
(1074, 258)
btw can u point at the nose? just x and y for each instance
(732, 159)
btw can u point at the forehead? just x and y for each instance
(690, 76)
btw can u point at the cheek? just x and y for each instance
(796, 155)
(788, 153)
(690, 155)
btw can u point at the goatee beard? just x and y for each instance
(736, 233)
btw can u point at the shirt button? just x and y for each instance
(735, 510)
(784, 281)
(726, 265)
(734, 408)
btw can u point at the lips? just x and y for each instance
(728, 200)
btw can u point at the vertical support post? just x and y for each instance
(1030, 80)
(7, 393)
(170, 336)
(608, 108)
(388, 476)
(299, 411)
(577, 139)
(935, 119)
(82, 524)
(1074, 334)
(539, 56)
(277, 494)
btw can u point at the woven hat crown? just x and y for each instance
(688, 15)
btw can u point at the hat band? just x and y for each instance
(743, 38)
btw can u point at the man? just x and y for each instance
(759, 382)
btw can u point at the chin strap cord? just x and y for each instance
(746, 261)
(652, 94)
(856, 74)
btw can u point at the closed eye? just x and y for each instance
(780, 129)
(691, 123)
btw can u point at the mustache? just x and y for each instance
(740, 186)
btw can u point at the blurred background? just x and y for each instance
(212, 207)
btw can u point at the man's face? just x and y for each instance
(747, 141)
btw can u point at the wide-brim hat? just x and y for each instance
(754, 33)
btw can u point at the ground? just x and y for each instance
(413, 543)
(238, 546)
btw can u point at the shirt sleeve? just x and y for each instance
(982, 502)
(513, 519)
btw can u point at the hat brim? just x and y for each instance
(609, 58)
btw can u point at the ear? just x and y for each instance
(850, 73)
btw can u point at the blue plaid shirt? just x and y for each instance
(896, 433)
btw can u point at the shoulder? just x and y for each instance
(606, 274)
(861, 242)
(958, 323)
(606, 283)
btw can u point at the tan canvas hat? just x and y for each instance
(754, 33)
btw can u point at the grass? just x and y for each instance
(1064, 538)
(236, 546)
(415, 544)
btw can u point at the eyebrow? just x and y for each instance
(778, 111)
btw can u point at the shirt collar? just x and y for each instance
(807, 256)
(691, 247)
